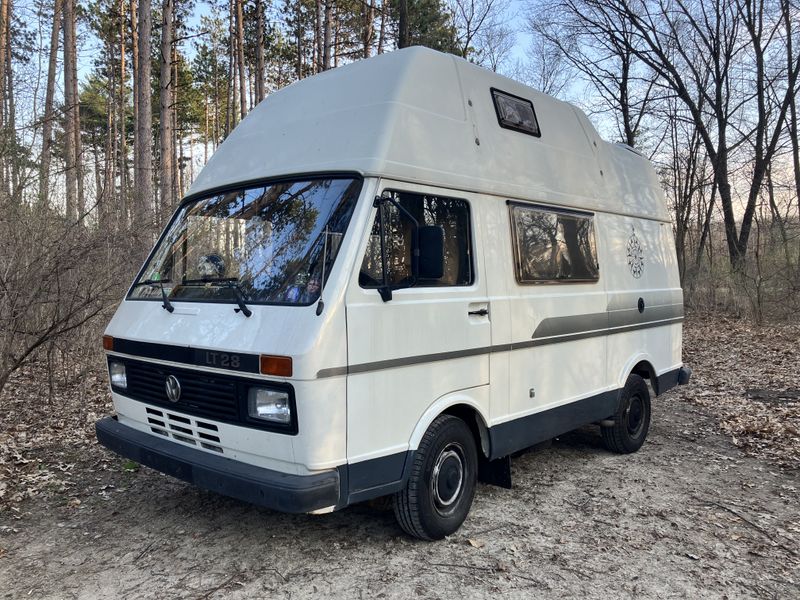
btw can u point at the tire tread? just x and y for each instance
(407, 500)
(615, 437)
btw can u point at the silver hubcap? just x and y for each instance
(447, 478)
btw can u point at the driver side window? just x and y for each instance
(451, 214)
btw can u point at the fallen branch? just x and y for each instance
(744, 519)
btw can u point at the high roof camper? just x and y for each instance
(389, 278)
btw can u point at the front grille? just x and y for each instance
(215, 397)
(183, 429)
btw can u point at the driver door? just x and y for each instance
(430, 339)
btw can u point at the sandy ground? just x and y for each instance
(689, 515)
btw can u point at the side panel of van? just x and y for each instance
(558, 378)
(405, 354)
(645, 300)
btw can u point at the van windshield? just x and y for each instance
(274, 244)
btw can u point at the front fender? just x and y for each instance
(476, 398)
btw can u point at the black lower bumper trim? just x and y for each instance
(280, 491)
(670, 379)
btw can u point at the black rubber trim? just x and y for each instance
(670, 379)
(279, 491)
(248, 363)
(512, 436)
(378, 476)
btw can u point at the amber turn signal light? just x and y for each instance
(108, 342)
(276, 365)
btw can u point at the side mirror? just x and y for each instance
(431, 252)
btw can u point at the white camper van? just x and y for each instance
(388, 279)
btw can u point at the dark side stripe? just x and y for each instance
(550, 331)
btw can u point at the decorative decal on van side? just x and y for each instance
(635, 256)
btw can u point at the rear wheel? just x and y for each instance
(441, 484)
(632, 420)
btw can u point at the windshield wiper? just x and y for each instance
(233, 284)
(165, 303)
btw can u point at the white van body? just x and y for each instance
(519, 362)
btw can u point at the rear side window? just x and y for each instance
(553, 245)
(451, 214)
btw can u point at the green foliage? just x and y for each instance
(430, 24)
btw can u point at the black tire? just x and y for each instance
(632, 419)
(446, 459)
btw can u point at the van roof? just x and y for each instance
(424, 116)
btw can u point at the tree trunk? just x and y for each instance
(123, 103)
(382, 28)
(134, 9)
(403, 40)
(259, 79)
(143, 184)
(368, 29)
(70, 107)
(240, 58)
(326, 35)
(104, 199)
(299, 43)
(318, 45)
(230, 110)
(4, 33)
(165, 130)
(793, 130)
(205, 131)
(16, 190)
(47, 124)
(177, 173)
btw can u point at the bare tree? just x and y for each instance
(368, 26)
(166, 109)
(71, 120)
(403, 34)
(696, 51)
(546, 68)
(240, 58)
(477, 23)
(574, 30)
(326, 35)
(259, 78)
(49, 112)
(143, 153)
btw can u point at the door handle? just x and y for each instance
(479, 313)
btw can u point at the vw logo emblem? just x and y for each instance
(173, 387)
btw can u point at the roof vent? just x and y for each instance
(515, 113)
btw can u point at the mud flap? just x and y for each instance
(495, 472)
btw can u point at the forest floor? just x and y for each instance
(708, 508)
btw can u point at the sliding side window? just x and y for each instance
(553, 245)
(404, 216)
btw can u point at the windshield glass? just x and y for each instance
(274, 244)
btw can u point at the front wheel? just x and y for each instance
(632, 420)
(441, 485)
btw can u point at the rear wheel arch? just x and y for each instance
(642, 366)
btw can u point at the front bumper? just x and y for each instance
(280, 491)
